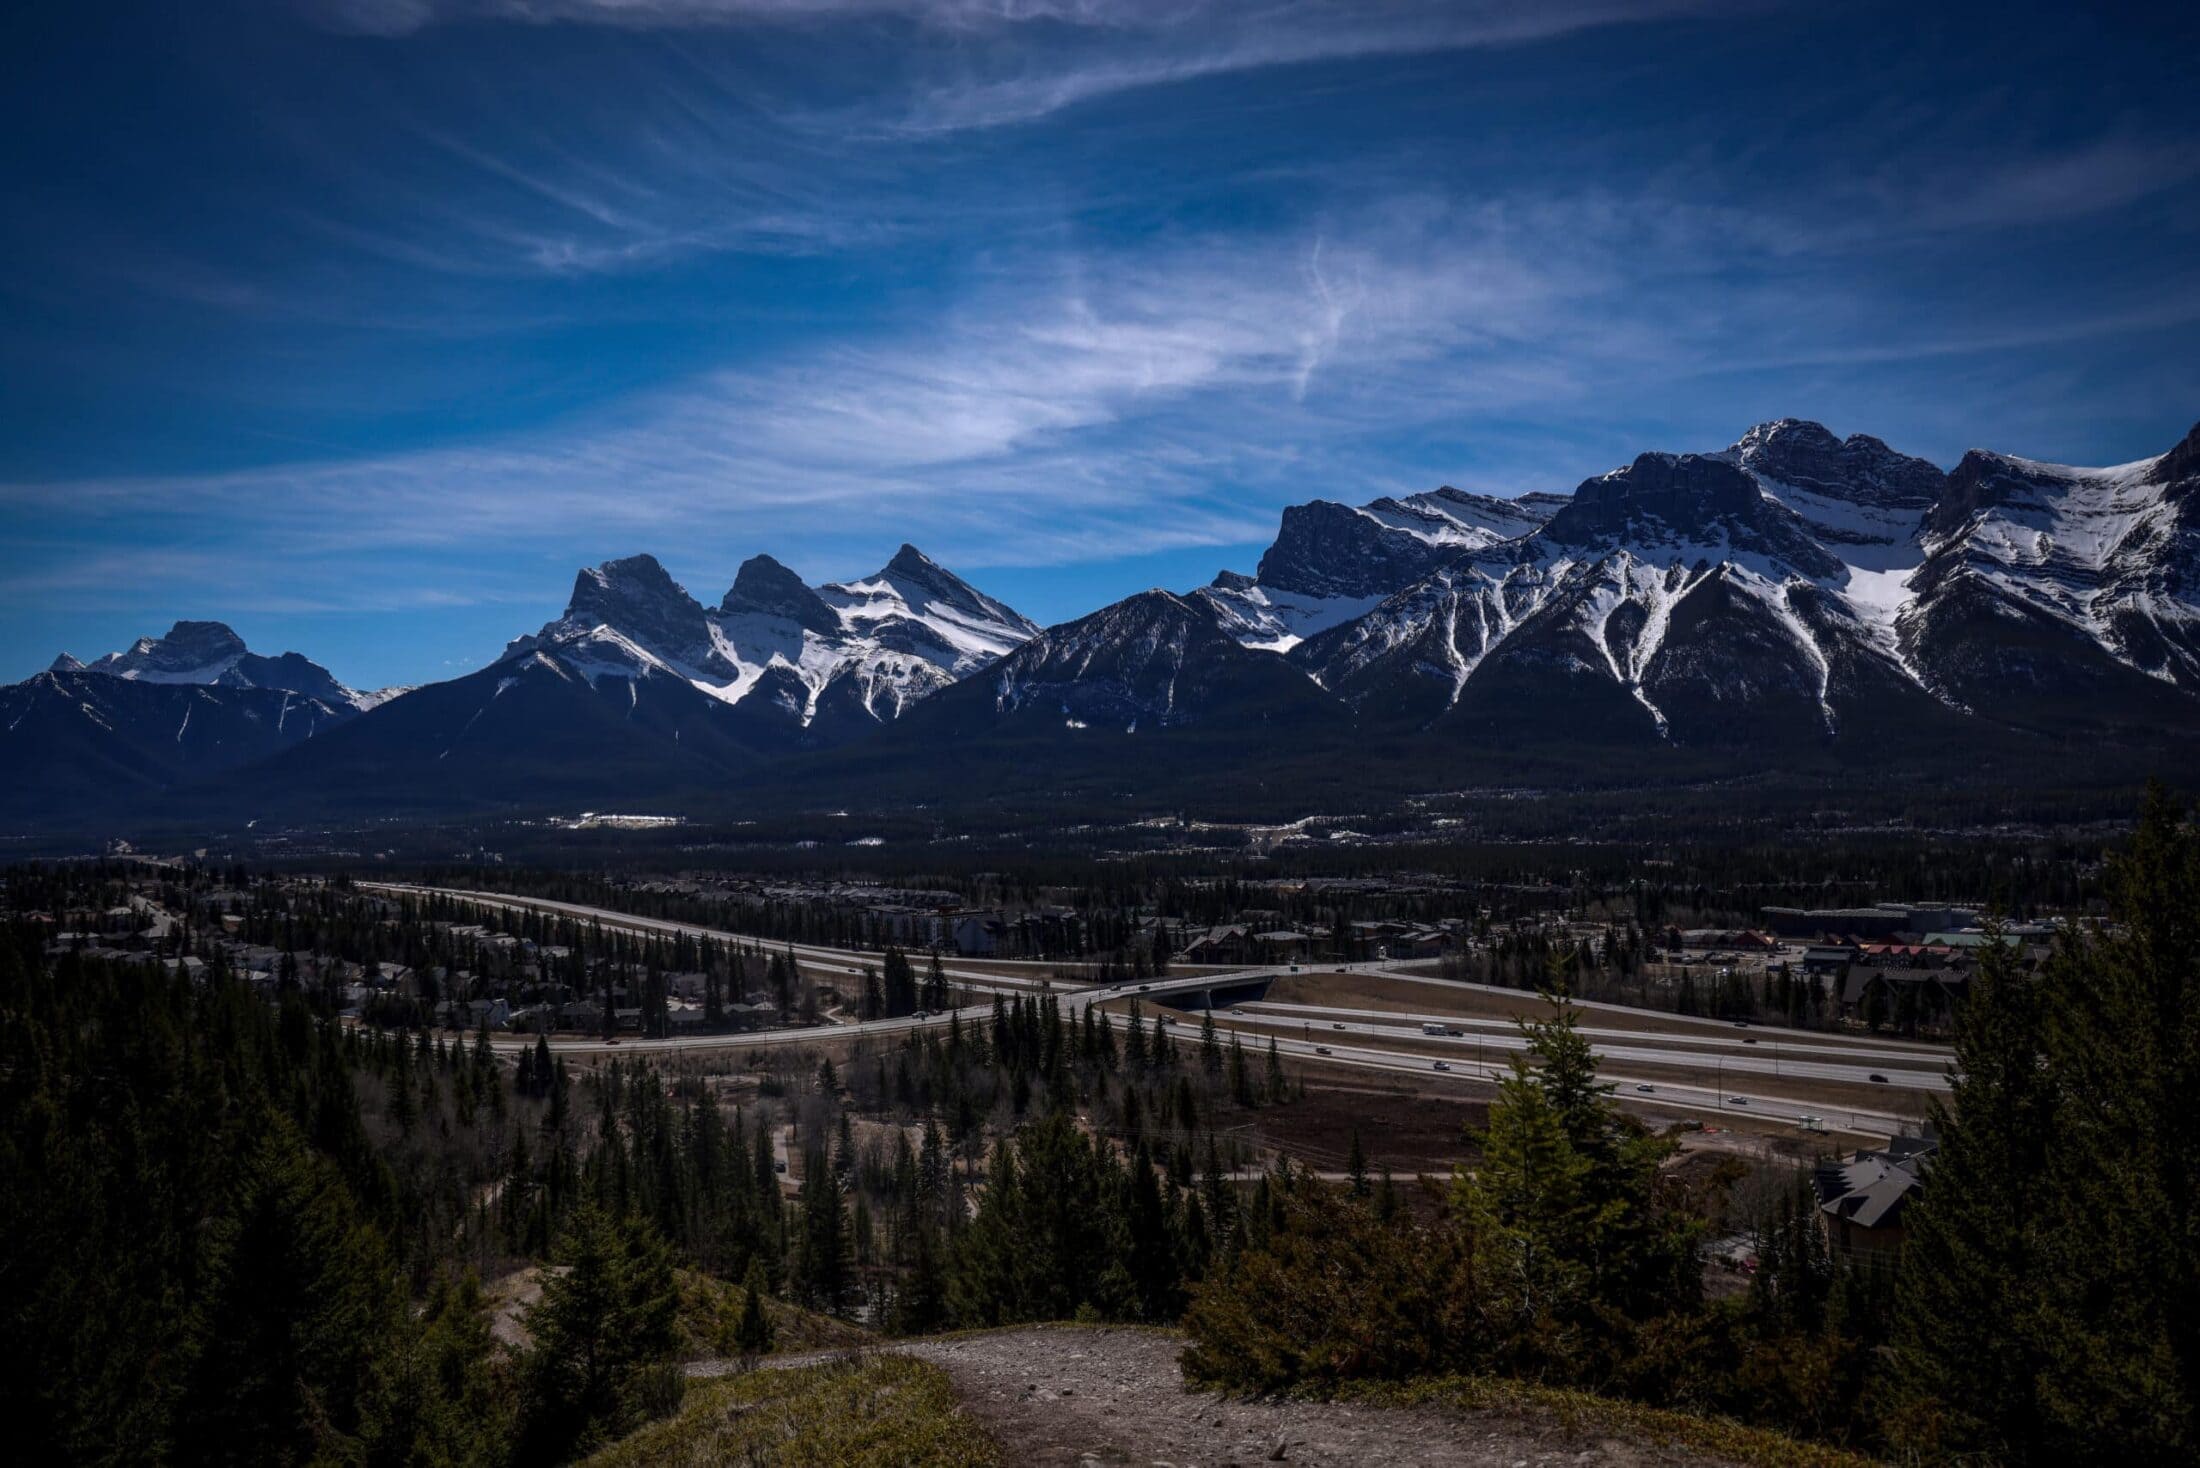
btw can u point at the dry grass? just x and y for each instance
(1586, 1414)
(881, 1411)
(710, 1309)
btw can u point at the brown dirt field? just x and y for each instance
(1410, 1127)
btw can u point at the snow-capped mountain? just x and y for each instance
(1674, 577)
(1332, 562)
(2075, 587)
(818, 665)
(211, 653)
(1791, 584)
(1793, 600)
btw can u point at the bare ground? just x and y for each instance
(1078, 1396)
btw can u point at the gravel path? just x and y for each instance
(1081, 1396)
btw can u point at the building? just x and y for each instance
(1861, 1201)
(1829, 960)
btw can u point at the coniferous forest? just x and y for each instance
(246, 1227)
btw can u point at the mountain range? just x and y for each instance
(1792, 601)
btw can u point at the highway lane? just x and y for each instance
(1751, 1044)
(838, 960)
(1398, 969)
(1642, 1052)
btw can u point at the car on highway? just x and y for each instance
(1456, 1034)
(1338, 1025)
(1749, 1039)
(1442, 1065)
(1646, 1090)
(1321, 1049)
(1143, 988)
(1879, 1078)
(1737, 1100)
(922, 1014)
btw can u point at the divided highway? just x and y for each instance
(1353, 1038)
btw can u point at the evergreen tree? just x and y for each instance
(753, 1333)
(605, 1335)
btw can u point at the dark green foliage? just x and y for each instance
(604, 1338)
(1065, 1229)
(201, 1237)
(2051, 1284)
(752, 1334)
(1335, 1293)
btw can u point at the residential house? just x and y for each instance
(1861, 1201)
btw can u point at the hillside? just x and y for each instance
(1058, 1394)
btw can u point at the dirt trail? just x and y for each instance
(1078, 1396)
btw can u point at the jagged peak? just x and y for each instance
(641, 571)
(909, 561)
(765, 585)
(1806, 430)
(1233, 581)
(2181, 462)
(65, 663)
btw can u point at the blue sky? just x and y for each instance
(361, 324)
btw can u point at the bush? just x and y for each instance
(1335, 1294)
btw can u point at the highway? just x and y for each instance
(1763, 1056)
(1340, 1036)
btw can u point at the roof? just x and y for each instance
(1871, 1189)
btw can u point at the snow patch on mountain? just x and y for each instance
(876, 645)
(211, 654)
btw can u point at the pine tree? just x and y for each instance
(899, 984)
(753, 1332)
(1964, 1362)
(605, 1334)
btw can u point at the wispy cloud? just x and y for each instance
(1089, 407)
(988, 63)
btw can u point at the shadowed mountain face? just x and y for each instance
(73, 741)
(210, 653)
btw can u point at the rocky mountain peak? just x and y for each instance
(194, 644)
(1859, 469)
(635, 597)
(2182, 463)
(766, 587)
(1663, 502)
(911, 562)
(1326, 549)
